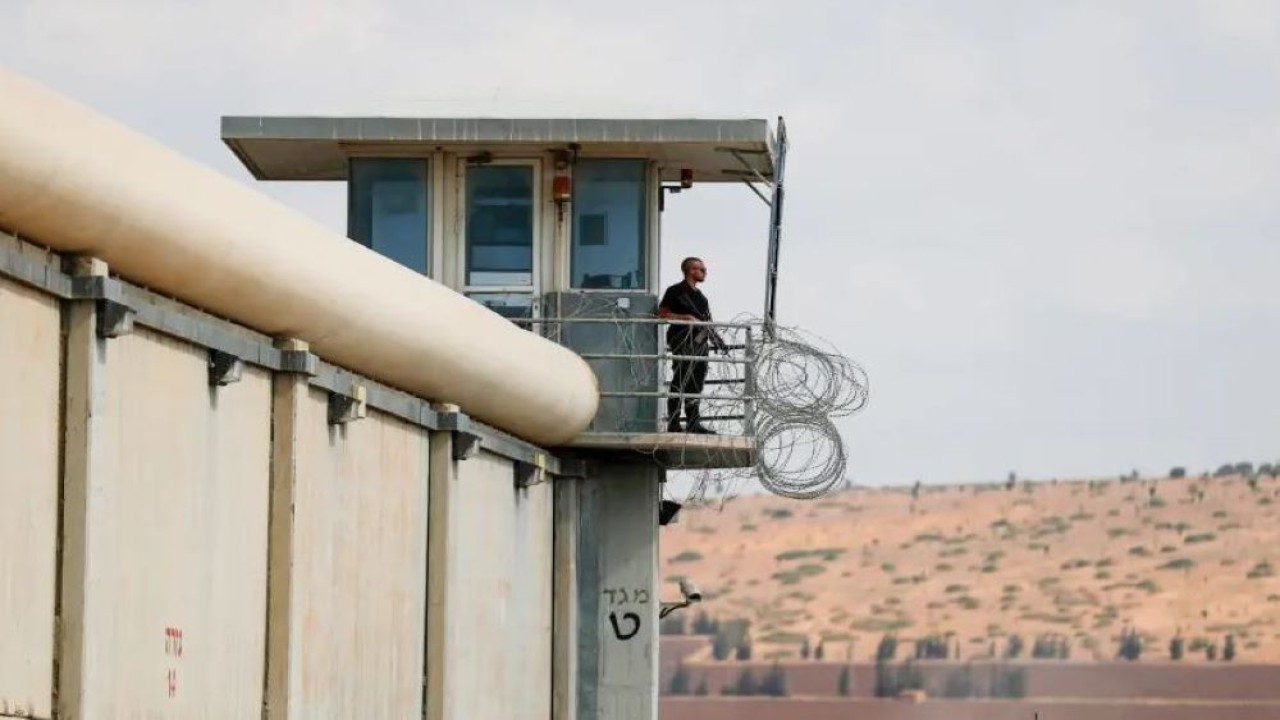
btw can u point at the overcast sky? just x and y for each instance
(1049, 230)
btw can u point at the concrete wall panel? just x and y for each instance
(354, 624)
(168, 487)
(496, 657)
(618, 595)
(30, 360)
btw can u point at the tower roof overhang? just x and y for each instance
(319, 148)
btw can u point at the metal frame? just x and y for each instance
(540, 240)
(232, 346)
(743, 354)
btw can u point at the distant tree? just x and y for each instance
(672, 625)
(1013, 647)
(887, 649)
(1243, 468)
(747, 684)
(1253, 482)
(909, 677)
(743, 650)
(820, 651)
(1178, 472)
(1176, 647)
(702, 688)
(702, 625)
(843, 682)
(1130, 645)
(728, 635)
(679, 681)
(721, 647)
(1229, 648)
(1267, 469)
(915, 490)
(804, 649)
(775, 682)
(991, 650)
(1011, 481)
(1211, 652)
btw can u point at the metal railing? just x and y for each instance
(634, 365)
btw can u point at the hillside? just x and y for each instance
(1083, 560)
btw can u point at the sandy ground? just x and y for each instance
(1079, 559)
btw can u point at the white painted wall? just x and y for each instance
(30, 369)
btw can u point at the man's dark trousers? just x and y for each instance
(687, 378)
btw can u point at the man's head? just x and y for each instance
(695, 271)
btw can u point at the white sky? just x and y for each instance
(1048, 230)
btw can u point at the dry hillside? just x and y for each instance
(1077, 559)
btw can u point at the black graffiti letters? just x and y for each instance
(617, 631)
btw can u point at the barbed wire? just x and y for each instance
(783, 390)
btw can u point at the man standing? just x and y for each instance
(684, 301)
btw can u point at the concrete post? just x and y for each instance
(617, 566)
(288, 391)
(85, 393)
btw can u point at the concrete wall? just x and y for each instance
(844, 709)
(349, 551)
(492, 579)
(1044, 679)
(617, 592)
(30, 378)
(164, 584)
(172, 548)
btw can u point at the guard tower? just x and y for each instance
(557, 225)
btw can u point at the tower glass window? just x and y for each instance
(608, 250)
(389, 209)
(500, 226)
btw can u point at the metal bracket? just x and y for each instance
(530, 474)
(348, 408)
(224, 368)
(114, 319)
(465, 445)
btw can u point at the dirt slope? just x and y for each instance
(1077, 559)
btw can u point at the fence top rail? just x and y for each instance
(638, 321)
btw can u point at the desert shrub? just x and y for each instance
(944, 567)
(1178, 564)
(1262, 569)
(679, 684)
(778, 513)
(889, 567)
(748, 527)
(968, 602)
(1199, 538)
(1076, 564)
(686, 556)
(1139, 551)
(1178, 472)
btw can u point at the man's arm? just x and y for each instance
(666, 314)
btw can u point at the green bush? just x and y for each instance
(1178, 564)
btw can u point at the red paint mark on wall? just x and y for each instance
(173, 649)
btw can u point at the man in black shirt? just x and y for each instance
(684, 301)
